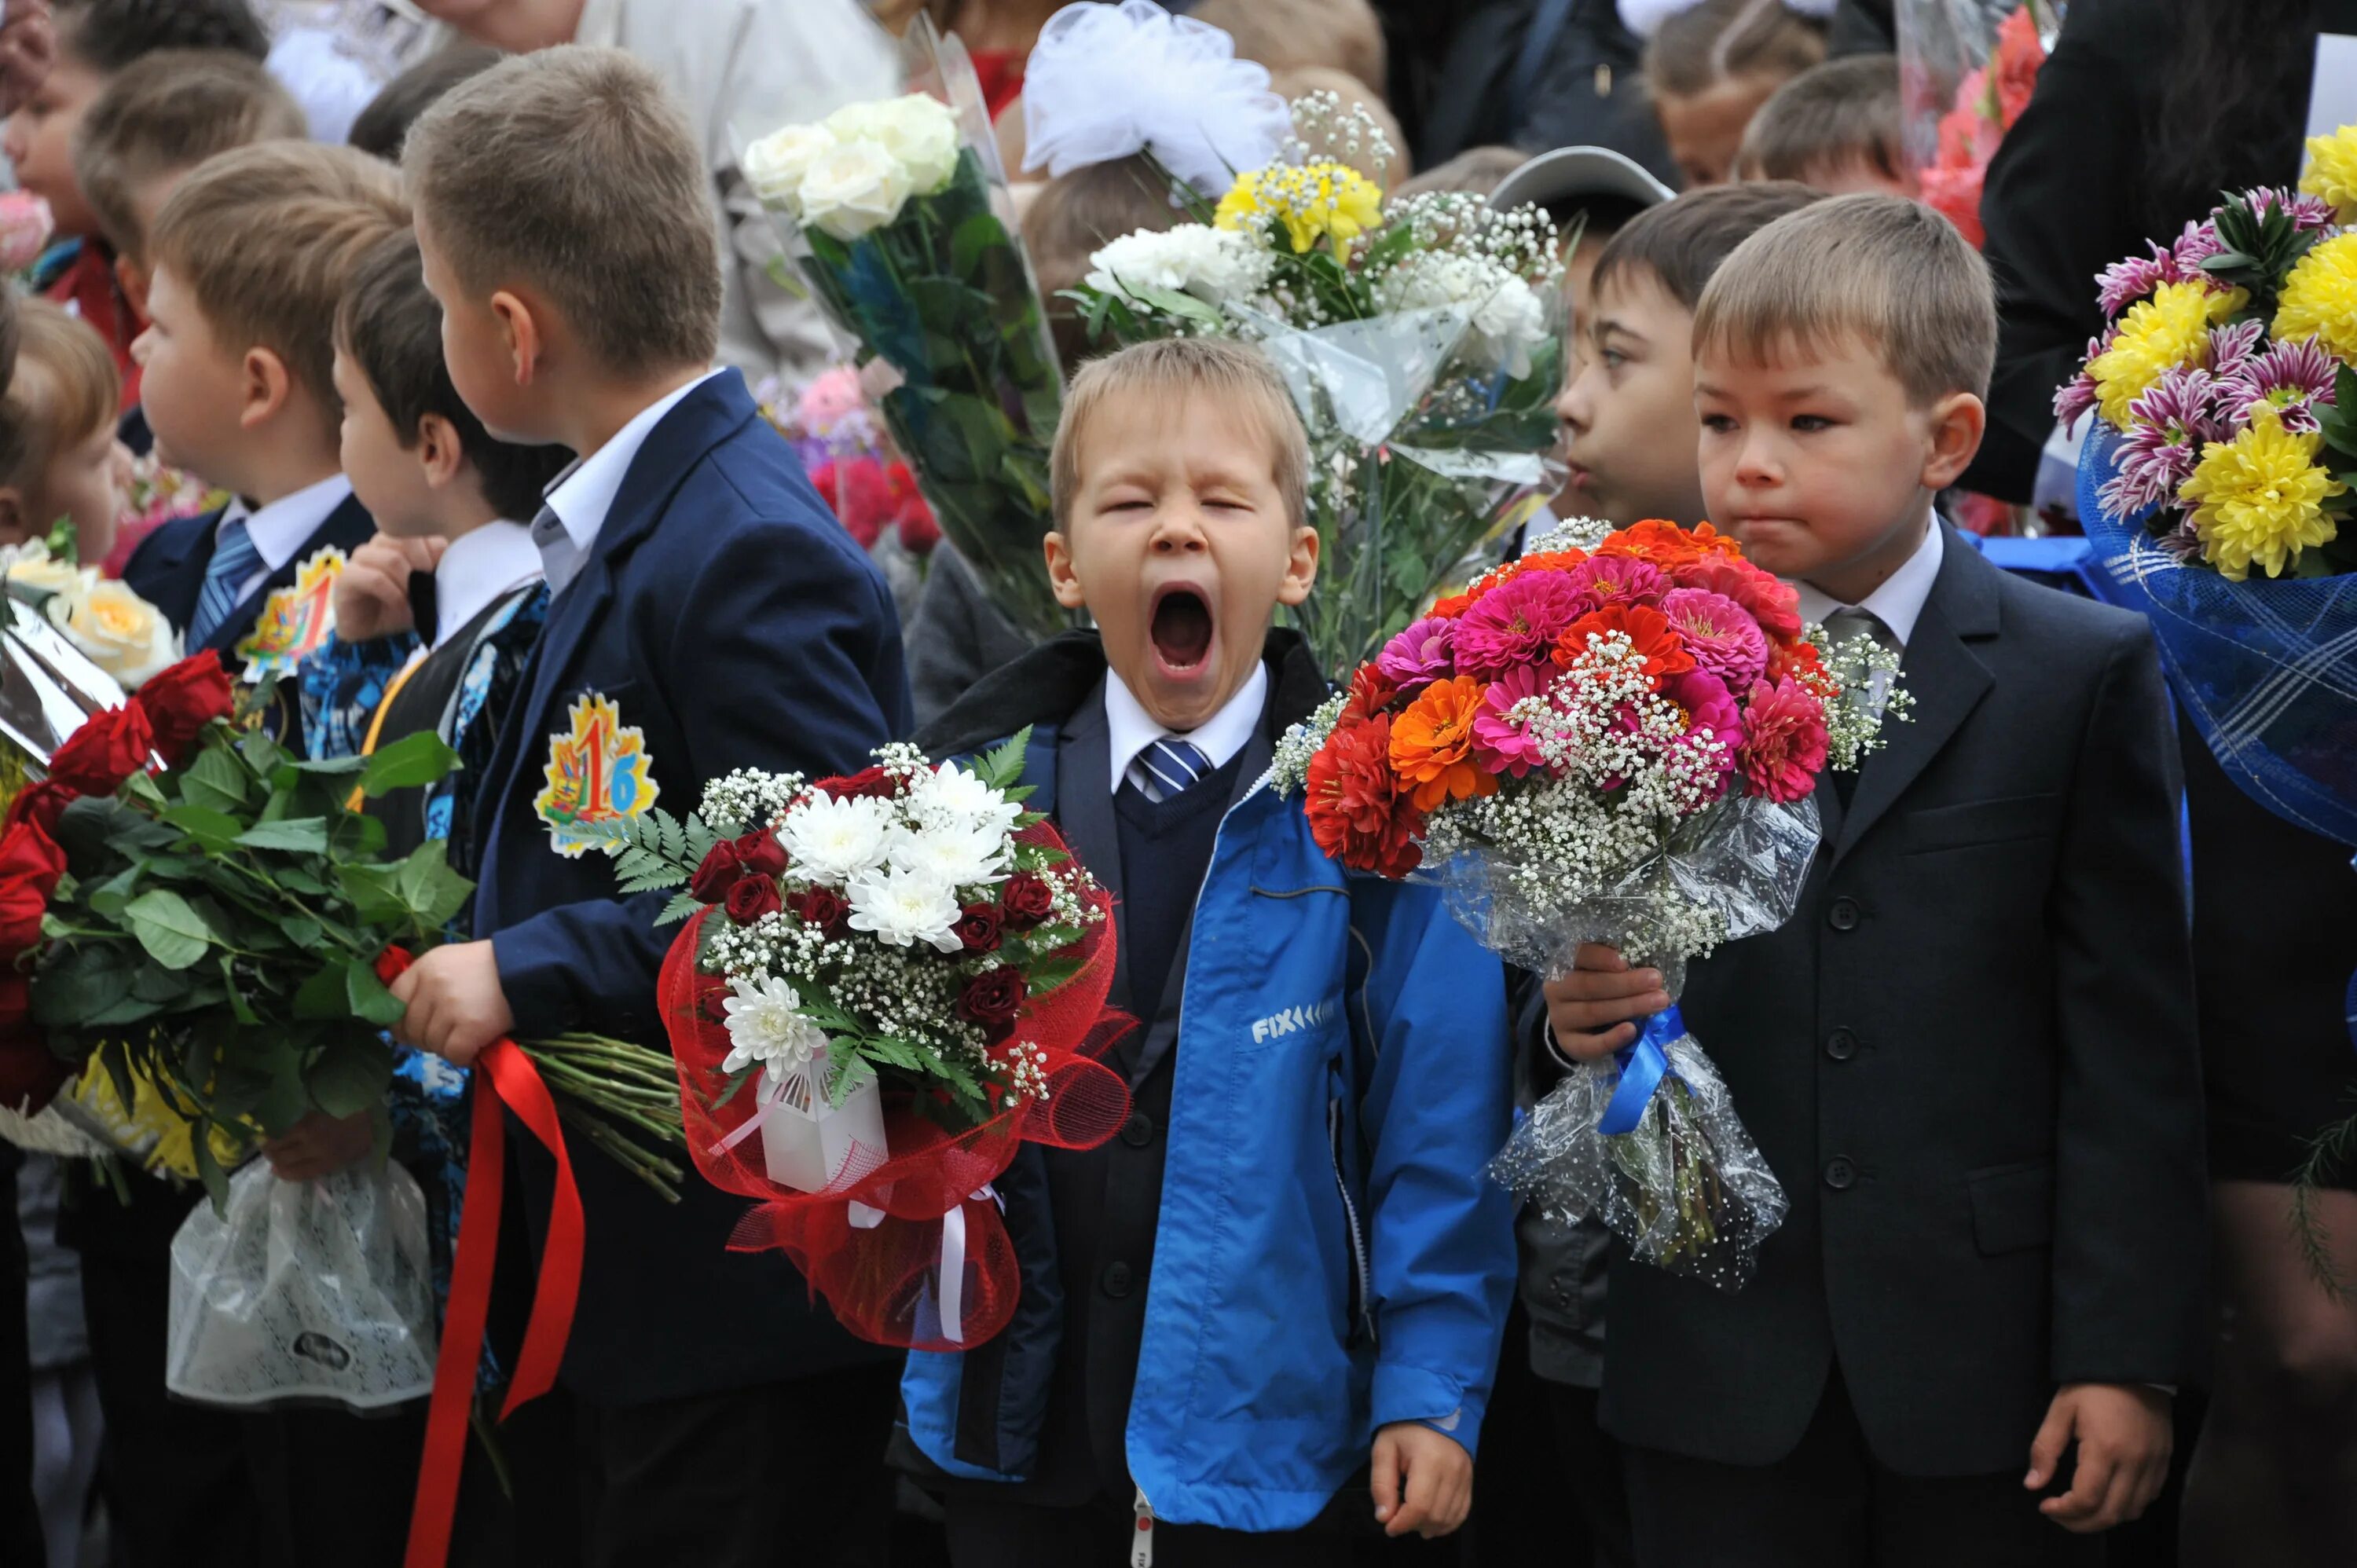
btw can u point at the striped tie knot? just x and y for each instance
(1167, 768)
(234, 559)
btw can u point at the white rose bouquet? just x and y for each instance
(1422, 342)
(898, 215)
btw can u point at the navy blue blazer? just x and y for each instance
(732, 623)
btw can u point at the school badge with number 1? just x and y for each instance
(293, 620)
(598, 773)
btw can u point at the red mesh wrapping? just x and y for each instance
(883, 1282)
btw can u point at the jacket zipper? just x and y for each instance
(1359, 1289)
(1141, 1546)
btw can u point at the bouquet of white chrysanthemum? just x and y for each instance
(890, 980)
(1422, 343)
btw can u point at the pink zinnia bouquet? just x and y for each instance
(1614, 738)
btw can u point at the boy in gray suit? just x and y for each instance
(1969, 1057)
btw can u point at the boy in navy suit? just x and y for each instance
(707, 614)
(1969, 1056)
(251, 255)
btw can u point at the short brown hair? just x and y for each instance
(1074, 216)
(64, 390)
(1682, 243)
(1235, 375)
(572, 170)
(1837, 115)
(265, 238)
(390, 327)
(1725, 40)
(1881, 270)
(1284, 34)
(164, 113)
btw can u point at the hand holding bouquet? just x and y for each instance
(1613, 739)
(891, 980)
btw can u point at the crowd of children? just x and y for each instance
(486, 361)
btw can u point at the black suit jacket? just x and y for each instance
(1970, 1060)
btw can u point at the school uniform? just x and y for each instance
(707, 614)
(177, 1476)
(1220, 1303)
(1969, 1058)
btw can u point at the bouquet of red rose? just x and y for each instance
(889, 983)
(1613, 739)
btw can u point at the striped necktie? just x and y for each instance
(1166, 768)
(234, 559)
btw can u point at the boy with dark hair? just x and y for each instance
(1835, 126)
(1290, 1262)
(1969, 1056)
(707, 614)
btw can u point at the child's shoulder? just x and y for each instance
(2065, 623)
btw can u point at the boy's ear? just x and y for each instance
(133, 277)
(264, 387)
(439, 451)
(1300, 568)
(1067, 587)
(1957, 421)
(524, 330)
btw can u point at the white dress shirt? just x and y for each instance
(1130, 729)
(580, 498)
(281, 528)
(1899, 602)
(479, 568)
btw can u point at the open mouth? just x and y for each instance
(1182, 628)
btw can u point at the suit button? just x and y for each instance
(1840, 1176)
(1116, 1280)
(1842, 915)
(1841, 1045)
(1138, 1131)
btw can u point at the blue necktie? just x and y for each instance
(234, 559)
(1168, 768)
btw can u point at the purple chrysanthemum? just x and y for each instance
(2196, 245)
(2233, 345)
(2166, 428)
(2122, 284)
(1517, 622)
(2292, 378)
(2309, 213)
(1720, 634)
(2077, 396)
(1420, 655)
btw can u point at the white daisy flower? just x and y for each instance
(903, 907)
(950, 797)
(952, 856)
(832, 841)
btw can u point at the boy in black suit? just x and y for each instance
(707, 614)
(1969, 1056)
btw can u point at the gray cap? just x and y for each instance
(1566, 175)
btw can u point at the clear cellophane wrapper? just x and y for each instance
(1685, 1187)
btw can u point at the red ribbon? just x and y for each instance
(505, 1080)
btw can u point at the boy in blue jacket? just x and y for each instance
(1289, 1262)
(706, 614)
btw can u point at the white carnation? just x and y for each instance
(950, 797)
(832, 841)
(903, 907)
(766, 1025)
(776, 165)
(853, 188)
(1216, 265)
(954, 856)
(919, 132)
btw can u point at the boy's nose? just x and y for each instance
(1178, 528)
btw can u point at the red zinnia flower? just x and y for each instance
(1357, 812)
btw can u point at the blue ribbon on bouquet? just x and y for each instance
(1644, 1063)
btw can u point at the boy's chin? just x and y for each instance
(1179, 697)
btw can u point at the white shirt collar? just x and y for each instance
(1130, 730)
(1899, 602)
(585, 492)
(478, 568)
(283, 527)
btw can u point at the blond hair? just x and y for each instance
(1880, 270)
(1234, 376)
(572, 171)
(265, 238)
(1287, 35)
(164, 113)
(65, 389)
(1726, 40)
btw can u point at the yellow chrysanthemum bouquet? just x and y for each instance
(2226, 381)
(1422, 340)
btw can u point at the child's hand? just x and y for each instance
(2124, 1446)
(456, 1005)
(1439, 1475)
(320, 1145)
(371, 597)
(1588, 1011)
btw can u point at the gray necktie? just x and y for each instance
(1848, 622)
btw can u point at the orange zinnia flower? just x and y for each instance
(1667, 544)
(1657, 643)
(1432, 744)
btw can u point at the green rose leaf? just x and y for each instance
(172, 931)
(296, 835)
(368, 998)
(214, 830)
(409, 762)
(351, 1076)
(215, 781)
(325, 995)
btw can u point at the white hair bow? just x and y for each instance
(1105, 82)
